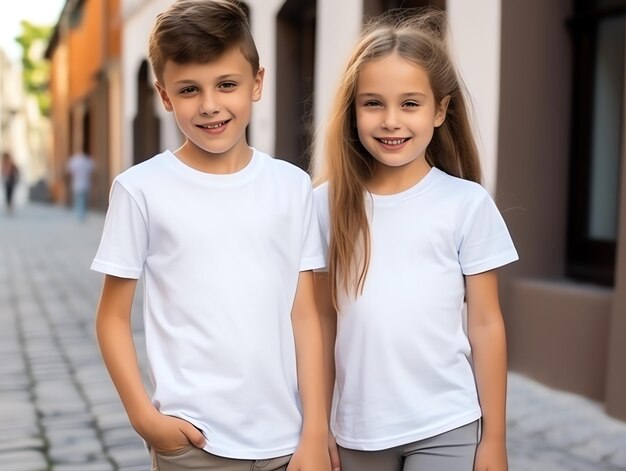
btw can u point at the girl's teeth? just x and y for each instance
(392, 143)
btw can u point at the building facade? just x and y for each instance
(84, 54)
(547, 83)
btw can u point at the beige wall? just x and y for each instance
(567, 334)
(475, 28)
(616, 368)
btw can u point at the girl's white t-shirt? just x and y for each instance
(220, 257)
(402, 356)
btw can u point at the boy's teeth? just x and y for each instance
(213, 126)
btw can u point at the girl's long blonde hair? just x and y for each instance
(421, 38)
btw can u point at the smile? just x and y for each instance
(393, 142)
(214, 126)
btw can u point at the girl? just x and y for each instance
(411, 237)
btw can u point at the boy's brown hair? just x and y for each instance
(200, 31)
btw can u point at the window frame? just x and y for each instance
(587, 259)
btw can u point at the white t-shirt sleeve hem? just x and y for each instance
(115, 270)
(491, 263)
(312, 263)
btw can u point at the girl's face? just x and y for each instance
(396, 113)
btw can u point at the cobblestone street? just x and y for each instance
(60, 412)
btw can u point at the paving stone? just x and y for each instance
(91, 372)
(619, 458)
(13, 430)
(12, 365)
(575, 432)
(68, 421)
(18, 396)
(121, 437)
(98, 466)
(125, 456)
(16, 383)
(23, 413)
(102, 393)
(27, 460)
(113, 421)
(51, 372)
(61, 407)
(603, 447)
(114, 406)
(27, 443)
(140, 467)
(78, 451)
(64, 437)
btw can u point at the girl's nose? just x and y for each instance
(390, 122)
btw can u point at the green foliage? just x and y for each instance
(35, 68)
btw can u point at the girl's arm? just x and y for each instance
(113, 327)
(487, 337)
(328, 317)
(312, 453)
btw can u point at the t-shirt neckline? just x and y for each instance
(213, 179)
(421, 186)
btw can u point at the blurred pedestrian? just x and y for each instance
(10, 177)
(81, 168)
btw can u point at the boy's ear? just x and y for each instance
(440, 116)
(257, 88)
(164, 97)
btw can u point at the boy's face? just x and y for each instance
(212, 102)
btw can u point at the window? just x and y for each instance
(295, 73)
(596, 143)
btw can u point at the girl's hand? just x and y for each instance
(333, 451)
(167, 434)
(311, 455)
(491, 456)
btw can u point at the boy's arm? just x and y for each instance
(114, 332)
(487, 338)
(328, 318)
(312, 452)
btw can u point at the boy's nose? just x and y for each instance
(209, 107)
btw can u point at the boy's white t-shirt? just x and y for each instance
(402, 356)
(220, 256)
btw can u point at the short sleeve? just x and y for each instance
(320, 198)
(485, 240)
(312, 249)
(124, 243)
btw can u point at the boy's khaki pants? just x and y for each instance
(191, 458)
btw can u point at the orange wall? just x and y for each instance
(114, 19)
(77, 59)
(86, 50)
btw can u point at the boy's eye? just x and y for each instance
(188, 90)
(227, 85)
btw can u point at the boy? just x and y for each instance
(225, 239)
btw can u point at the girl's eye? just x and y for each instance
(411, 104)
(372, 103)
